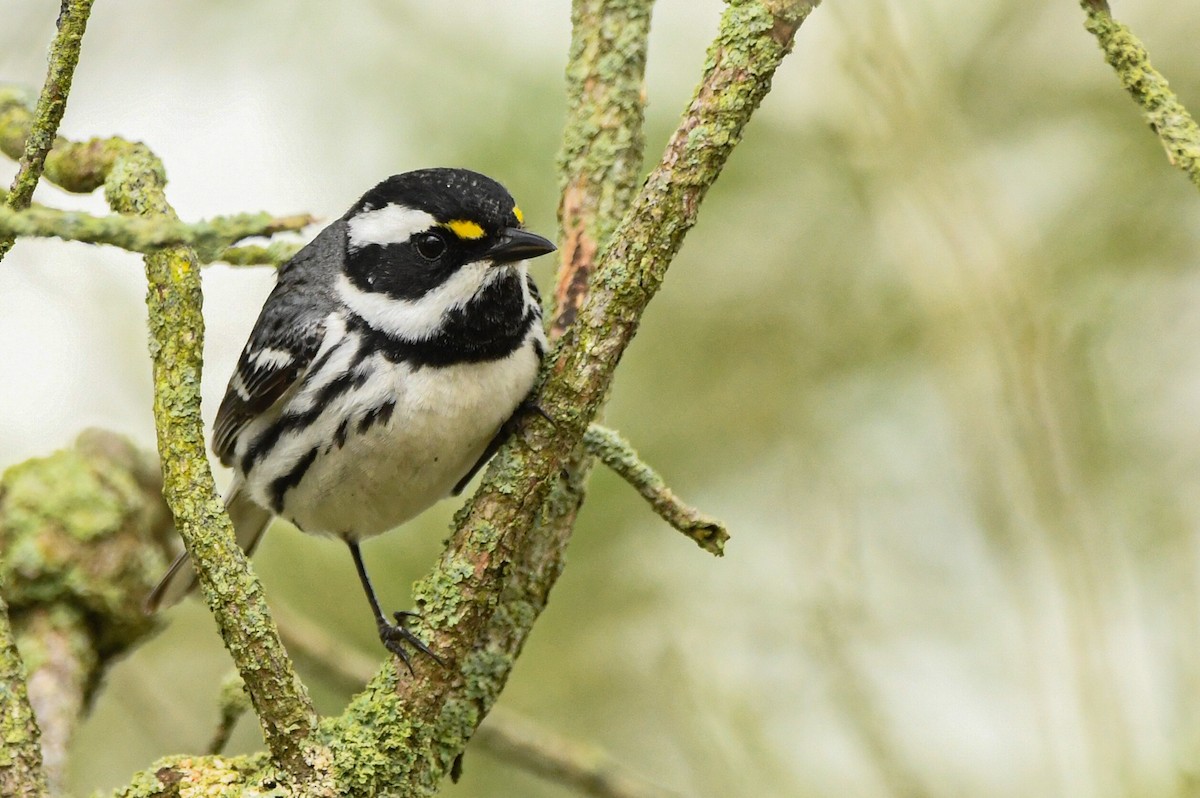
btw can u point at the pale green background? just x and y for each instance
(931, 352)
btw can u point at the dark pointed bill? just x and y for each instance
(516, 244)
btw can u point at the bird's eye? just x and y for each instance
(429, 245)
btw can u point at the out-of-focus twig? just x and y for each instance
(81, 536)
(505, 734)
(274, 254)
(232, 702)
(615, 452)
(1166, 115)
(52, 103)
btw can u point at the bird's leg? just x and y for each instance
(393, 635)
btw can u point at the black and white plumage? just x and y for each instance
(383, 366)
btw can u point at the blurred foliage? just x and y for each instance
(929, 352)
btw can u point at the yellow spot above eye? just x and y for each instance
(520, 216)
(465, 229)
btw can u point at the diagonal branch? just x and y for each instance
(431, 714)
(52, 103)
(615, 452)
(505, 734)
(1165, 114)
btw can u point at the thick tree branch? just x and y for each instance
(615, 452)
(422, 722)
(134, 182)
(52, 103)
(209, 238)
(1163, 111)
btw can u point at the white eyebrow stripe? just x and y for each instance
(391, 224)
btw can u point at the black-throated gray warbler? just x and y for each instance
(382, 369)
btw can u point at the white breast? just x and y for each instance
(442, 421)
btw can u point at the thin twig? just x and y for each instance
(505, 734)
(210, 238)
(21, 772)
(51, 104)
(274, 254)
(1166, 115)
(615, 452)
(232, 702)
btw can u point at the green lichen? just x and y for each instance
(77, 531)
(209, 238)
(21, 770)
(251, 776)
(1163, 111)
(616, 453)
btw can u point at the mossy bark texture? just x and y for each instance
(82, 532)
(21, 773)
(1162, 110)
(615, 452)
(146, 234)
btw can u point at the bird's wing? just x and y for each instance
(285, 338)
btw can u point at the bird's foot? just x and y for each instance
(395, 636)
(530, 407)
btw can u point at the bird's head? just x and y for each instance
(422, 244)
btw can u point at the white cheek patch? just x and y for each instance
(418, 319)
(391, 224)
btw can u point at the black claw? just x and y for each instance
(395, 636)
(536, 409)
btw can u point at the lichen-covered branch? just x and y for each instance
(82, 537)
(21, 773)
(615, 452)
(505, 734)
(274, 254)
(603, 139)
(422, 722)
(135, 185)
(232, 703)
(1163, 111)
(210, 238)
(134, 182)
(52, 103)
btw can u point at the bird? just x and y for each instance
(386, 367)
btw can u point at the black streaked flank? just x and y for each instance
(265, 442)
(382, 414)
(281, 485)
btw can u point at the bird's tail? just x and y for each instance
(249, 523)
